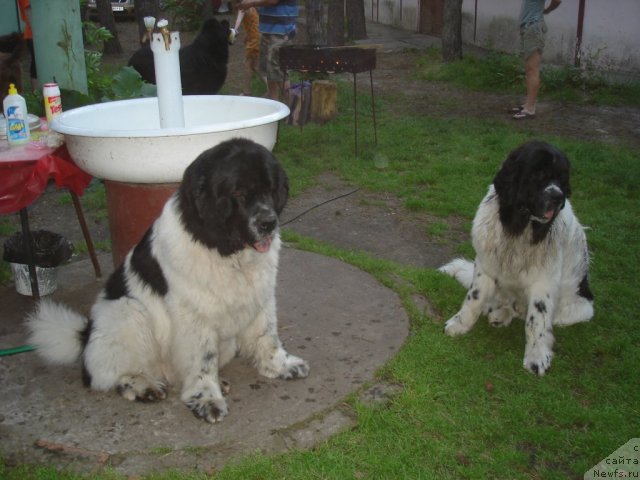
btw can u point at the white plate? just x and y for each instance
(34, 123)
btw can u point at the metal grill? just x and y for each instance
(323, 59)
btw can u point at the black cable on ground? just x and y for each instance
(319, 205)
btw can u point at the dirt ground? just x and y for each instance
(372, 222)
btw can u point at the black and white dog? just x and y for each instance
(531, 254)
(198, 289)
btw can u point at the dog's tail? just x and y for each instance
(57, 332)
(461, 269)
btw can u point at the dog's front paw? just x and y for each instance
(141, 389)
(284, 365)
(295, 368)
(454, 326)
(501, 317)
(211, 410)
(538, 360)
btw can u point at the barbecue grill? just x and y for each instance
(324, 59)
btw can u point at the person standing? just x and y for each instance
(24, 7)
(278, 20)
(533, 30)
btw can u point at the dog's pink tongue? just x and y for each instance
(263, 245)
(549, 214)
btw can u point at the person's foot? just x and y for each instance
(524, 114)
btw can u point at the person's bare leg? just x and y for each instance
(532, 73)
(248, 73)
(273, 90)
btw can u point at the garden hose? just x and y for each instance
(5, 352)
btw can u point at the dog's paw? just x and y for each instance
(211, 410)
(295, 368)
(225, 387)
(284, 365)
(141, 389)
(501, 317)
(538, 360)
(454, 327)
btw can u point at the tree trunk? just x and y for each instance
(105, 17)
(452, 31)
(356, 25)
(145, 8)
(324, 101)
(335, 23)
(315, 26)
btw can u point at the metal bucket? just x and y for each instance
(47, 279)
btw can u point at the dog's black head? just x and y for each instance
(231, 196)
(203, 63)
(532, 186)
(214, 33)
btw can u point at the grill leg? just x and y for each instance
(373, 108)
(355, 111)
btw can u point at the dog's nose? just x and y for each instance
(554, 192)
(267, 223)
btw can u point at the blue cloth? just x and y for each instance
(279, 19)
(532, 11)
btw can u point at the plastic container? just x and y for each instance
(15, 113)
(52, 100)
(47, 279)
(50, 250)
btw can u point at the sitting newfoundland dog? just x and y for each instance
(198, 289)
(203, 63)
(531, 254)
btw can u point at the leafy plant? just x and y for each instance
(186, 15)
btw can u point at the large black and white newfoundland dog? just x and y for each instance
(198, 289)
(531, 254)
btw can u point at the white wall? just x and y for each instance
(399, 13)
(610, 39)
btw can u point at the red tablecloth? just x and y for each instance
(25, 172)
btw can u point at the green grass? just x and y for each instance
(504, 73)
(467, 408)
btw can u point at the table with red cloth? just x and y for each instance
(25, 172)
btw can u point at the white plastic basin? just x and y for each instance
(122, 141)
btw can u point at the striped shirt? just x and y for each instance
(279, 19)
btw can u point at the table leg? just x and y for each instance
(28, 249)
(87, 235)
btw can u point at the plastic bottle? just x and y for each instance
(15, 113)
(52, 101)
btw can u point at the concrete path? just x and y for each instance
(335, 316)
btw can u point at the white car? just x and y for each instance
(119, 7)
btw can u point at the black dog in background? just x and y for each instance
(10, 66)
(203, 63)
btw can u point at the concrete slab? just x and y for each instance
(332, 314)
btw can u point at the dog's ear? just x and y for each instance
(505, 181)
(563, 166)
(281, 190)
